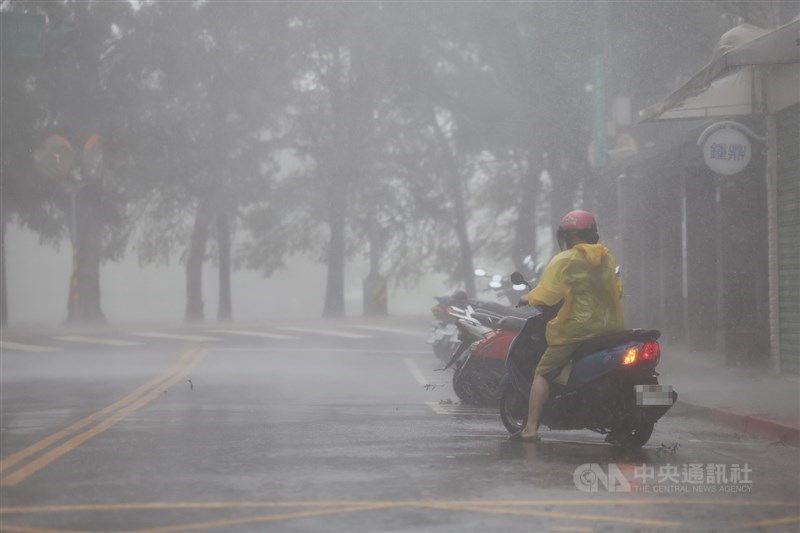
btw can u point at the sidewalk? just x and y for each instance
(750, 401)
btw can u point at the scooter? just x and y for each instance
(478, 378)
(613, 389)
(479, 360)
(445, 336)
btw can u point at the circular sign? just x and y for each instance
(727, 151)
(55, 158)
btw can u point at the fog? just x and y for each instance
(142, 294)
(251, 160)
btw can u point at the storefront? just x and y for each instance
(742, 221)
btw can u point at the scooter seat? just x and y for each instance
(511, 323)
(605, 342)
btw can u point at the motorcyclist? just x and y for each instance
(583, 276)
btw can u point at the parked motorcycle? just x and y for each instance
(480, 360)
(613, 389)
(445, 335)
(504, 287)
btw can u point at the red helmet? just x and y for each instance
(580, 223)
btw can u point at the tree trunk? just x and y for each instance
(334, 291)
(83, 304)
(194, 264)
(465, 266)
(3, 285)
(225, 311)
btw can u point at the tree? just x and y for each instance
(212, 79)
(329, 124)
(64, 93)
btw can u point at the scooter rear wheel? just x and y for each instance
(513, 409)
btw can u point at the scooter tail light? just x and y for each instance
(650, 351)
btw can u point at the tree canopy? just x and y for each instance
(419, 135)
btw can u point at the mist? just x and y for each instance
(147, 294)
(214, 161)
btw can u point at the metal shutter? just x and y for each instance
(788, 207)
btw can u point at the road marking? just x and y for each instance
(172, 336)
(458, 409)
(411, 332)
(322, 508)
(29, 529)
(266, 504)
(438, 409)
(419, 376)
(95, 340)
(7, 345)
(254, 334)
(772, 522)
(214, 524)
(333, 333)
(113, 413)
(316, 351)
(556, 514)
(15, 458)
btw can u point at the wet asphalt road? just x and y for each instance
(304, 431)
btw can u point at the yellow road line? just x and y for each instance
(259, 519)
(142, 506)
(556, 514)
(322, 508)
(26, 529)
(15, 458)
(172, 506)
(772, 522)
(47, 458)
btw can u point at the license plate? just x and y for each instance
(653, 395)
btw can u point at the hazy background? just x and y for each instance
(133, 293)
(294, 148)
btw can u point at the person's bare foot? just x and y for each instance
(525, 437)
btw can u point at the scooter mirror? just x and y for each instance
(518, 279)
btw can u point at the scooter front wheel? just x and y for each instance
(463, 389)
(513, 409)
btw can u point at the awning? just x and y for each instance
(726, 86)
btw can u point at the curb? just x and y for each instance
(752, 425)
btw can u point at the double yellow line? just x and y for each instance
(107, 417)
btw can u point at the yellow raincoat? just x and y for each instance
(584, 277)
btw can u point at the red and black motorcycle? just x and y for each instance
(480, 358)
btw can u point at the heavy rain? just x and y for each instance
(399, 266)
